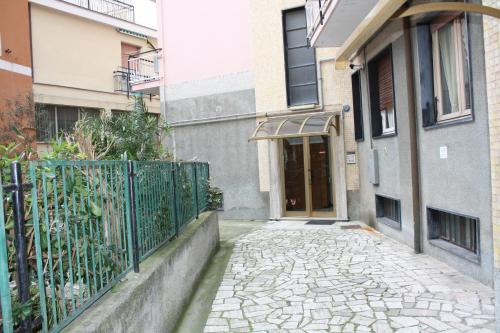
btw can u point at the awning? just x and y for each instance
(387, 9)
(378, 16)
(296, 126)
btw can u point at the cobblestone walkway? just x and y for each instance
(295, 278)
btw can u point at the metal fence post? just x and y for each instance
(20, 241)
(174, 187)
(196, 191)
(133, 217)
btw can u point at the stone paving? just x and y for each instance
(288, 277)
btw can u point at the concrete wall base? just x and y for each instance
(154, 299)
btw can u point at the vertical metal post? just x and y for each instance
(20, 241)
(321, 17)
(196, 190)
(133, 217)
(128, 77)
(174, 186)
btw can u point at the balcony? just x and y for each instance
(119, 9)
(142, 75)
(330, 22)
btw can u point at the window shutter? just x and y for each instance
(385, 88)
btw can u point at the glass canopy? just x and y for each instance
(294, 126)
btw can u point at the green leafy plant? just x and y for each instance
(136, 134)
(215, 197)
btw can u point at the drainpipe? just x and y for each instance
(414, 160)
(320, 81)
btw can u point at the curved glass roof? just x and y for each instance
(294, 126)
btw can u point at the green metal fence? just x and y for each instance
(154, 198)
(87, 224)
(202, 175)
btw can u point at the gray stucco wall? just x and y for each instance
(154, 299)
(224, 143)
(460, 183)
(393, 151)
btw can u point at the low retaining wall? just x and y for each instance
(154, 299)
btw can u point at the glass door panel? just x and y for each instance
(320, 174)
(294, 174)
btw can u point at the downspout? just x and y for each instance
(414, 160)
(320, 81)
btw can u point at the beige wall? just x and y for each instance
(492, 59)
(270, 79)
(74, 59)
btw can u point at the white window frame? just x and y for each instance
(457, 33)
(387, 117)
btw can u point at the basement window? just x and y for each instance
(454, 232)
(382, 102)
(388, 211)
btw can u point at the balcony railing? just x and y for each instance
(315, 10)
(121, 80)
(119, 9)
(144, 67)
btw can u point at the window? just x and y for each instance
(357, 106)
(54, 119)
(451, 67)
(455, 229)
(301, 80)
(388, 211)
(382, 94)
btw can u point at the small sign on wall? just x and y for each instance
(350, 158)
(443, 152)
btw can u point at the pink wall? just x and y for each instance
(203, 39)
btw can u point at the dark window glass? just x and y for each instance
(300, 60)
(52, 120)
(357, 106)
(45, 122)
(67, 116)
(295, 185)
(92, 113)
(454, 228)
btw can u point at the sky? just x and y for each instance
(145, 12)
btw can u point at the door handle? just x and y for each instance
(310, 176)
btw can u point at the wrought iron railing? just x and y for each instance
(315, 10)
(81, 227)
(144, 67)
(120, 9)
(121, 80)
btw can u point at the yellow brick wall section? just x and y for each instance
(492, 58)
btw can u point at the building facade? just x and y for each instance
(379, 111)
(422, 125)
(88, 56)
(15, 71)
(304, 127)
